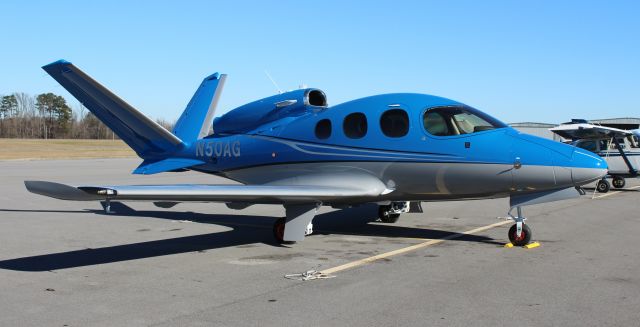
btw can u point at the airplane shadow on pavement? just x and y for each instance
(245, 230)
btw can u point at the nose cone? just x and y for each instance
(587, 167)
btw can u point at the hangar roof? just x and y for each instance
(628, 123)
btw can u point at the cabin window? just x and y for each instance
(621, 142)
(436, 124)
(604, 145)
(323, 129)
(394, 123)
(355, 125)
(443, 121)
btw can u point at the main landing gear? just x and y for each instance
(391, 213)
(519, 234)
(278, 230)
(298, 221)
(297, 224)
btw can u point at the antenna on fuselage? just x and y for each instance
(273, 81)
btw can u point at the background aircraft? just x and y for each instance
(620, 148)
(292, 149)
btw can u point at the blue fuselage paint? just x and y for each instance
(290, 138)
(295, 138)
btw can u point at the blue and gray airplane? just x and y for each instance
(293, 149)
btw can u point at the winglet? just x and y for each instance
(59, 191)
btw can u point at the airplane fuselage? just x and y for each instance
(295, 150)
(416, 164)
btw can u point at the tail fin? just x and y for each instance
(197, 118)
(143, 135)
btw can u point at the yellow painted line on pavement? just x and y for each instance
(615, 192)
(428, 243)
(343, 233)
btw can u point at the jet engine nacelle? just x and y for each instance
(252, 115)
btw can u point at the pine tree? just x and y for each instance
(8, 109)
(56, 112)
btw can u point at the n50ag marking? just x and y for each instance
(215, 149)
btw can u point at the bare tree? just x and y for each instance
(49, 116)
(28, 125)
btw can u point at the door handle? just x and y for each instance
(517, 164)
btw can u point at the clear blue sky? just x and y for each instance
(545, 61)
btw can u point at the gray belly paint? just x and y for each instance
(428, 181)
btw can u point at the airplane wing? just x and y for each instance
(354, 187)
(587, 131)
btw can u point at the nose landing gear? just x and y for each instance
(519, 234)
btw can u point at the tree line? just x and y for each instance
(48, 116)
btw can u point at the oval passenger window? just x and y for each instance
(355, 125)
(394, 123)
(323, 129)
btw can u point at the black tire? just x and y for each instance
(618, 182)
(525, 236)
(278, 231)
(387, 217)
(603, 186)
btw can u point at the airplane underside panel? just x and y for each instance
(423, 181)
(346, 183)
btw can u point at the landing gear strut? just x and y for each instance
(391, 213)
(278, 230)
(297, 224)
(106, 205)
(519, 234)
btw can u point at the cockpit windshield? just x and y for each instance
(443, 121)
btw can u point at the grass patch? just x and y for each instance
(36, 149)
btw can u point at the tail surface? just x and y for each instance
(146, 137)
(197, 118)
